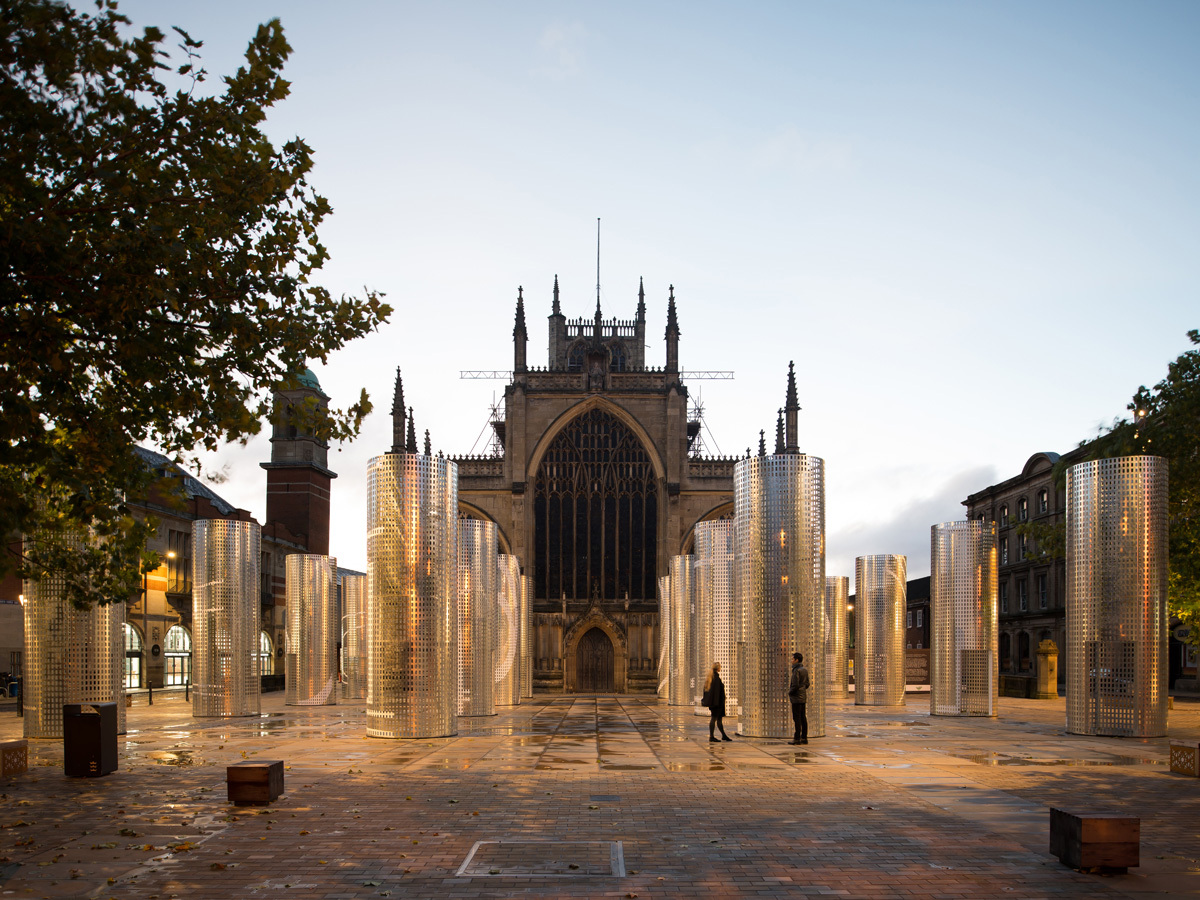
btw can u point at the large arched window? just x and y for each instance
(617, 360)
(133, 658)
(595, 514)
(177, 656)
(575, 356)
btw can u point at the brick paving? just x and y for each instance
(892, 803)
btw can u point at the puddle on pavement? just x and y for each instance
(626, 768)
(174, 758)
(991, 759)
(693, 767)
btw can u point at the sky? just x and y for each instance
(973, 226)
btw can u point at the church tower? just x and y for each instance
(298, 475)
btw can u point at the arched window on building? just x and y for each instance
(266, 665)
(575, 356)
(617, 360)
(596, 514)
(133, 658)
(177, 656)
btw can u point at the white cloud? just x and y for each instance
(561, 47)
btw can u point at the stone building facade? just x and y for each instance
(595, 489)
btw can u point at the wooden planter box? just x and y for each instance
(255, 783)
(1095, 840)
(1185, 757)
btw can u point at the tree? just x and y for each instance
(156, 251)
(1166, 422)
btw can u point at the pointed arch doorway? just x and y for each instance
(595, 663)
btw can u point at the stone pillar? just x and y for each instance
(1047, 671)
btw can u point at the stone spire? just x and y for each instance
(791, 410)
(398, 414)
(556, 310)
(779, 445)
(672, 334)
(411, 442)
(597, 331)
(520, 335)
(428, 445)
(641, 307)
(762, 442)
(558, 333)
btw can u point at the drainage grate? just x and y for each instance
(544, 859)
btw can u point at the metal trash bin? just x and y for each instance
(89, 739)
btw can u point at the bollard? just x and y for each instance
(150, 689)
(186, 686)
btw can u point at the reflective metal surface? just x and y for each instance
(780, 504)
(478, 616)
(964, 669)
(412, 569)
(354, 636)
(507, 664)
(881, 592)
(526, 619)
(682, 679)
(715, 596)
(310, 657)
(837, 638)
(664, 636)
(225, 605)
(1116, 597)
(70, 656)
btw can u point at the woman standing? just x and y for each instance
(714, 692)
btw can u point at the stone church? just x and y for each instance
(596, 488)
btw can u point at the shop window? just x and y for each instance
(133, 658)
(177, 656)
(265, 659)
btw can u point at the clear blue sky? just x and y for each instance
(974, 227)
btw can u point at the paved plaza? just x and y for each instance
(596, 797)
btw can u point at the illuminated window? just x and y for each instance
(1004, 551)
(177, 656)
(265, 658)
(133, 658)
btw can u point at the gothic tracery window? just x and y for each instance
(595, 514)
(575, 356)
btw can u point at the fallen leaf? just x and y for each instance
(304, 832)
(217, 866)
(372, 883)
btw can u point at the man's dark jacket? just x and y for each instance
(798, 689)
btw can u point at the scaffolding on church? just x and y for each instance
(1116, 597)
(354, 636)
(412, 568)
(837, 642)
(780, 515)
(478, 616)
(225, 618)
(71, 655)
(964, 671)
(881, 593)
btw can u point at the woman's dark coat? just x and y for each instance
(716, 693)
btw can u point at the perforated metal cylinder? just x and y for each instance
(837, 639)
(412, 571)
(1117, 597)
(507, 677)
(964, 672)
(664, 637)
(225, 605)
(881, 594)
(478, 616)
(780, 515)
(354, 636)
(310, 639)
(683, 647)
(715, 588)
(70, 656)
(526, 637)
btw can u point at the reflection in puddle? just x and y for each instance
(993, 759)
(693, 767)
(174, 758)
(627, 768)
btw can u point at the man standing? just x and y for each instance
(798, 694)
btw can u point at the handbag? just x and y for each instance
(706, 700)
